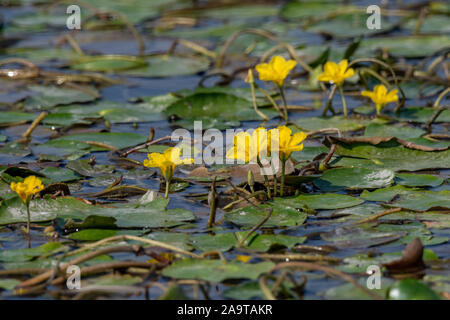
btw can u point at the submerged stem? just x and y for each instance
(269, 193)
(166, 195)
(283, 171)
(28, 218)
(344, 103)
(275, 182)
(283, 98)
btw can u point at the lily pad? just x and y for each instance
(411, 289)
(84, 168)
(392, 155)
(169, 66)
(354, 178)
(108, 63)
(59, 174)
(47, 97)
(340, 122)
(418, 180)
(385, 194)
(282, 216)
(115, 139)
(382, 130)
(215, 270)
(321, 201)
(215, 110)
(405, 46)
(13, 117)
(423, 200)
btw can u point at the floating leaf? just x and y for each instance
(215, 110)
(215, 270)
(108, 63)
(418, 180)
(423, 200)
(282, 215)
(321, 201)
(169, 66)
(47, 97)
(411, 289)
(13, 117)
(354, 178)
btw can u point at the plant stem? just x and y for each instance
(255, 105)
(344, 103)
(269, 193)
(166, 195)
(28, 219)
(212, 204)
(275, 182)
(283, 98)
(283, 170)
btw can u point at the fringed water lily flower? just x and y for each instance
(336, 73)
(287, 143)
(276, 71)
(26, 189)
(250, 148)
(166, 162)
(381, 96)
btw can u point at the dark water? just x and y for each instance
(137, 87)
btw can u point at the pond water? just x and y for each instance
(23, 23)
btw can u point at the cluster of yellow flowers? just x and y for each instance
(248, 147)
(263, 142)
(335, 73)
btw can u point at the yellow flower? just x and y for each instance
(380, 96)
(276, 70)
(288, 143)
(167, 161)
(336, 72)
(27, 188)
(248, 147)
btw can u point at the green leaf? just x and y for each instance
(27, 254)
(321, 201)
(60, 174)
(392, 155)
(170, 66)
(179, 240)
(423, 200)
(411, 289)
(418, 180)
(340, 122)
(349, 292)
(118, 140)
(108, 63)
(48, 97)
(215, 110)
(421, 115)
(84, 168)
(215, 271)
(14, 117)
(354, 178)
(256, 242)
(283, 215)
(404, 46)
(383, 130)
(385, 194)
(9, 284)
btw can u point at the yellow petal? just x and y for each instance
(343, 65)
